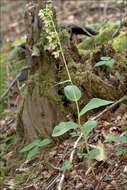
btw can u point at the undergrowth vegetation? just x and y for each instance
(73, 93)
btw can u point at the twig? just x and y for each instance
(52, 182)
(119, 26)
(109, 108)
(52, 166)
(75, 146)
(12, 83)
(71, 158)
(98, 185)
(8, 76)
(61, 181)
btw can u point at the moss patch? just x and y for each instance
(102, 38)
(120, 43)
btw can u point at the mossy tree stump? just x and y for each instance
(44, 104)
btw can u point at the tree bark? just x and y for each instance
(41, 109)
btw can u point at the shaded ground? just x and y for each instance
(37, 173)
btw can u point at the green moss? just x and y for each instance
(120, 43)
(102, 38)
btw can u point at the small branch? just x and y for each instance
(119, 26)
(97, 187)
(61, 181)
(52, 166)
(71, 158)
(52, 182)
(75, 146)
(109, 108)
(10, 86)
(13, 82)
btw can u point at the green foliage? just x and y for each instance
(21, 178)
(32, 152)
(37, 179)
(2, 172)
(3, 75)
(114, 23)
(75, 134)
(8, 142)
(94, 103)
(89, 126)
(19, 41)
(93, 153)
(67, 165)
(30, 146)
(44, 142)
(14, 53)
(111, 137)
(3, 148)
(63, 127)
(107, 61)
(72, 92)
(82, 155)
(121, 139)
(121, 150)
(33, 148)
(98, 25)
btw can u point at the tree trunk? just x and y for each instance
(41, 109)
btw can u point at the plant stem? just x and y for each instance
(76, 102)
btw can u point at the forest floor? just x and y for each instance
(37, 174)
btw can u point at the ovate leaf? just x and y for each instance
(109, 138)
(14, 53)
(63, 127)
(75, 134)
(121, 150)
(94, 103)
(107, 63)
(82, 155)
(30, 146)
(112, 138)
(72, 92)
(93, 153)
(88, 126)
(44, 142)
(67, 165)
(32, 153)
